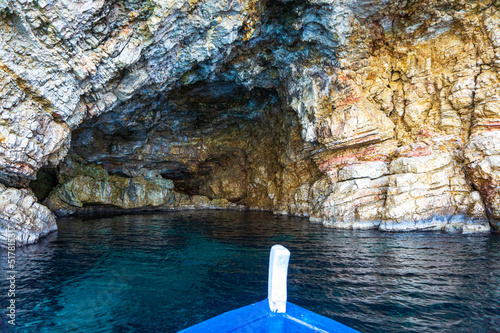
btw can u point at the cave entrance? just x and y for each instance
(217, 140)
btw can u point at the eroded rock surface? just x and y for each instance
(357, 113)
(22, 215)
(92, 189)
(482, 156)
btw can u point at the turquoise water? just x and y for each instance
(165, 272)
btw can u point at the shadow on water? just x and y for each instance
(167, 271)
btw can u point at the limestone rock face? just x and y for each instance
(94, 187)
(356, 113)
(482, 156)
(62, 62)
(29, 137)
(22, 215)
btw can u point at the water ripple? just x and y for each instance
(164, 272)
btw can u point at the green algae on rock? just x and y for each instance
(94, 187)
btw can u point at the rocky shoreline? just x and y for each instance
(360, 114)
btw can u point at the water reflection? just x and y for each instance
(164, 272)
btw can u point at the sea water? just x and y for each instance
(167, 271)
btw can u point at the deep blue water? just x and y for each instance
(165, 272)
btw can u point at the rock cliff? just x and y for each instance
(356, 113)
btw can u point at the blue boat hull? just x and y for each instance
(258, 317)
